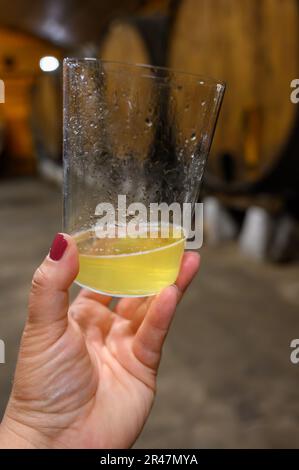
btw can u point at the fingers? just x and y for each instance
(151, 334)
(153, 330)
(48, 301)
(189, 267)
(90, 309)
(135, 308)
(126, 307)
(93, 318)
(88, 294)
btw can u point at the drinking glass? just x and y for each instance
(136, 140)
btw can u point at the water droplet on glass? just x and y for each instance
(193, 136)
(203, 103)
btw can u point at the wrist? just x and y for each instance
(15, 435)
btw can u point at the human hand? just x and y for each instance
(86, 375)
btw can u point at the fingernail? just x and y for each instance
(58, 247)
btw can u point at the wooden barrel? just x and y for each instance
(124, 43)
(19, 66)
(131, 99)
(253, 46)
(47, 116)
(137, 40)
(19, 143)
(2, 141)
(2, 132)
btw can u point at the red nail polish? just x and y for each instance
(58, 247)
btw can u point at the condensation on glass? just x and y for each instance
(134, 130)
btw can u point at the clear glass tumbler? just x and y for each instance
(136, 140)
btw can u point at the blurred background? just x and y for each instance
(226, 377)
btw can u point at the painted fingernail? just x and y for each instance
(58, 247)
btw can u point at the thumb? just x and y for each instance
(49, 300)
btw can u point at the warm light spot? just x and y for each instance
(49, 63)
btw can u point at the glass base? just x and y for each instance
(109, 294)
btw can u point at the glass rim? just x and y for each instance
(206, 79)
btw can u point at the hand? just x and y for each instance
(86, 375)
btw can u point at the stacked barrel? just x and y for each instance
(252, 45)
(19, 69)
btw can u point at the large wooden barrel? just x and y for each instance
(2, 132)
(253, 46)
(19, 144)
(19, 66)
(124, 43)
(47, 116)
(2, 141)
(131, 99)
(137, 40)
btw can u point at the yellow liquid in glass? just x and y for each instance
(129, 266)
